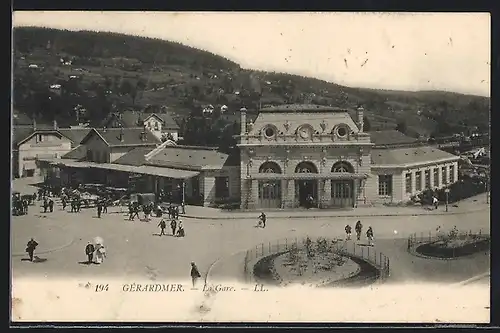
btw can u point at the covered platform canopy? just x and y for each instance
(143, 169)
(308, 176)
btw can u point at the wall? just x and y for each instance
(100, 150)
(52, 146)
(288, 158)
(207, 184)
(399, 182)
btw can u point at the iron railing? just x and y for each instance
(341, 247)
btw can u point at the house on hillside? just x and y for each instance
(162, 125)
(30, 143)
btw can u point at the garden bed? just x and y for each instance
(454, 247)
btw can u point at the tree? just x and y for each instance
(366, 124)
(401, 126)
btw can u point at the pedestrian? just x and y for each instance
(89, 251)
(51, 205)
(162, 226)
(359, 229)
(45, 205)
(173, 226)
(99, 209)
(130, 211)
(195, 273)
(180, 229)
(136, 208)
(348, 232)
(25, 206)
(369, 235)
(263, 219)
(105, 205)
(100, 253)
(30, 248)
(435, 202)
(63, 201)
(73, 205)
(78, 205)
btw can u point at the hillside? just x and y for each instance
(63, 74)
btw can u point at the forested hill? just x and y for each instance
(59, 73)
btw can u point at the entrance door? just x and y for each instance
(270, 194)
(306, 189)
(342, 193)
(195, 186)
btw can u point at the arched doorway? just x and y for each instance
(270, 189)
(306, 188)
(342, 189)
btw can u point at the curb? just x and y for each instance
(474, 279)
(233, 217)
(46, 251)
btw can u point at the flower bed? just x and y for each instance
(454, 245)
(315, 264)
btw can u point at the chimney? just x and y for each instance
(34, 124)
(359, 116)
(120, 137)
(55, 124)
(243, 120)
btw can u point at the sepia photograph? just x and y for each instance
(253, 167)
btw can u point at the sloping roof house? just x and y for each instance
(121, 137)
(166, 120)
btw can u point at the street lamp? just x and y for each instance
(447, 192)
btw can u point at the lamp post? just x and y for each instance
(183, 197)
(447, 192)
(487, 189)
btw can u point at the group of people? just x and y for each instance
(175, 225)
(98, 250)
(134, 208)
(359, 229)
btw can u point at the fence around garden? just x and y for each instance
(415, 239)
(341, 247)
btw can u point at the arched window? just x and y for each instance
(306, 167)
(269, 167)
(343, 166)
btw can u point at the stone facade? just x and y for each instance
(293, 152)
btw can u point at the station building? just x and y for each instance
(286, 155)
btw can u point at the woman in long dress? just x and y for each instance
(100, 253)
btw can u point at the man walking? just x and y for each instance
(173, 226)
(162, 226)
(30, 248)
(359, 228)
(435, 202)
(348, 232)
(51, 205)
(99, 209)
(195, 273)
(263, 219)
(89, 251)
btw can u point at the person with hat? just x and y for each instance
(195, 273)
(89, 251)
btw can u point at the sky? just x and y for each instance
(396, 51)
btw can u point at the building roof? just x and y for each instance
(166, 119)
(289, 120)
(390, 137)
(125, 119)
(78, 153)
(75, 134)
(131, 137)
(302, 108)
(195, 158)
(134, 157)
(409, 156)
(22, 133)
